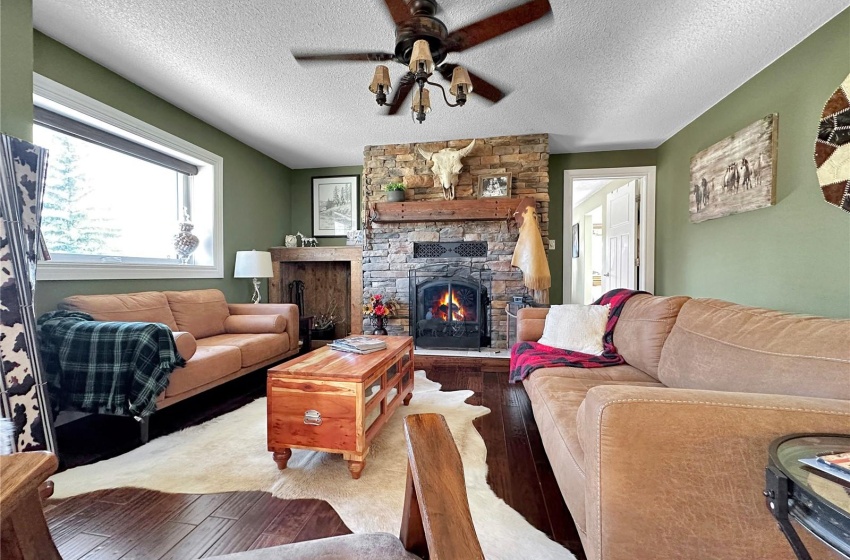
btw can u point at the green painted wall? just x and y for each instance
(794, 256)
(301, 191)
(16, 60)
(558, 163)
(256, 193)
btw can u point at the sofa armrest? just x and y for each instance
(288, 310)
(681, 472)
(186, 344)
(530, 322)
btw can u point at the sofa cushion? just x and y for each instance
(143, 307)
(255, 348)
(186, 344)
(200, 312)
(556, 402)
(643, 327)
(207, 365)
(722, 346)
(622, 372)
(578, 328)
(255, 324)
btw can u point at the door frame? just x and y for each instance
(646, 232)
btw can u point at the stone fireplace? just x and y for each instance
(394, 250)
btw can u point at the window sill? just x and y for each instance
(96, 271)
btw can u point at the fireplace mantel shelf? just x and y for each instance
(492, 209)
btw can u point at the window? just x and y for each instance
(118, 189)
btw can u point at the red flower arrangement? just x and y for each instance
(378, 306)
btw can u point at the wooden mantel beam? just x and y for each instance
(482, 209)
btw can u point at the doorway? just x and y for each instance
(609, 232)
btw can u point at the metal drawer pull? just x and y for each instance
(313, 418)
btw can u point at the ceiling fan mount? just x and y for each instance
(416, 20)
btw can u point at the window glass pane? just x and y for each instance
(100, 202)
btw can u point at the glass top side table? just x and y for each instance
(819, 503)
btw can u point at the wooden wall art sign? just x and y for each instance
(832, 148)
(737, 174)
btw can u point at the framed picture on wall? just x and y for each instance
(335, 205)
(575, 241)
(494, 186)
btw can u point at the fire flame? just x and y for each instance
(440, 309)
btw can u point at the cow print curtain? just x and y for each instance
(23, 394)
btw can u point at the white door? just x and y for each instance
(620, 236)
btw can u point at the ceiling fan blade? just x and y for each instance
(495, 25)
(330, 57)
(405, 84)
(480, 86)
(398, 10)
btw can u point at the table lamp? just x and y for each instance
(256, 265)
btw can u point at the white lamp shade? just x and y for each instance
(253, 264)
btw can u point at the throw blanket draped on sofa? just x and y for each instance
(105, 367)
(527, 357)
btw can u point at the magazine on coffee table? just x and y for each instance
(358, 344)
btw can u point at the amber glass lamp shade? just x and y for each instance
(421, 53)
(424, 100)
(381, 78)
(460, 77)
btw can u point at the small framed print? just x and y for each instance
(335, 205)
(495, 186)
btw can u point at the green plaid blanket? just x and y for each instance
(105, 367)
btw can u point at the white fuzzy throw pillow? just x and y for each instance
(579, 328)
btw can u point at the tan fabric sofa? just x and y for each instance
(219, 341)
(664, 458)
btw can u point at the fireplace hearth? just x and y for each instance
(450, 306)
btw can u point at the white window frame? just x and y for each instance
(62, 99)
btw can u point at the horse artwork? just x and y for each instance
(743, 166)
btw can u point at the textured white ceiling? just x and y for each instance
(598, 75)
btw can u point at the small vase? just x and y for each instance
(379, 327)
(185, 242)
(395, 196)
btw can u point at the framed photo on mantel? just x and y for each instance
(335, 205)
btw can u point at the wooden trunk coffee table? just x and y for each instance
(337, 402)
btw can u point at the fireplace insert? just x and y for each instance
(450, 306)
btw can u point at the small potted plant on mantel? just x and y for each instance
(395, 192)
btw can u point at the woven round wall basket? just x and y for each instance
(832, 148)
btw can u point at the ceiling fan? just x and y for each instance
(415, 22)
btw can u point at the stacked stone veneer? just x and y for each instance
(388, 255)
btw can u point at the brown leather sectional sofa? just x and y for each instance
(219, 341)
(664, 458)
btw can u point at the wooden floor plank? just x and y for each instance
(79, 545)
(161, 538)
(249, 526)
(201, 508)
(325, 521)
(237, 504)
(493, 431)
(200, 539)
(289, 522)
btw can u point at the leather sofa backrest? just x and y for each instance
(722, 346)
(144, 307)
(643, 327)
(200, 312)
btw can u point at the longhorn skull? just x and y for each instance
(446, 166)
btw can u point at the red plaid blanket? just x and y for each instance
(527, 357)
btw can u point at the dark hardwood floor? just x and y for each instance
(115, 523)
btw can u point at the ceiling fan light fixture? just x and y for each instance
(422, 101)
(421, 59)
(381, 84)
(381, 79)
(460, 83)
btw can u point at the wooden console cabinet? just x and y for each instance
(337, 402)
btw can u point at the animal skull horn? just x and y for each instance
(446, 166)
